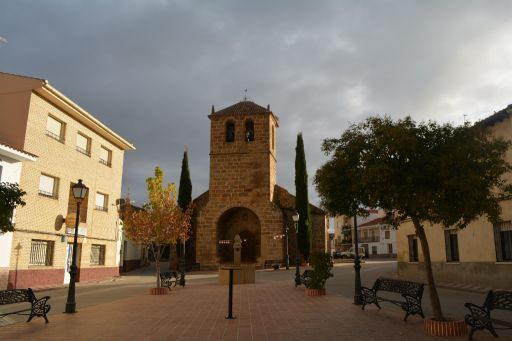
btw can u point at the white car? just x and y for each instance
(351, 254)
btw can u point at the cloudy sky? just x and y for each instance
(151, 70)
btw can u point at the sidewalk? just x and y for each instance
(264, 311)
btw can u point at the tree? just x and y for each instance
(424, 172)
(184, 194)
(301, 199)
(10, 197)
(161, 220)
(185, 189)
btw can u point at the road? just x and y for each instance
(138, 283)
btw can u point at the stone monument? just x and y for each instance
(242, 273)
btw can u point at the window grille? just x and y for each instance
(97, 254)
(101, 202)
(503, 241)
(41, 252)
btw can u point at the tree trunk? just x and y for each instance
(434, 297)
(156, 255)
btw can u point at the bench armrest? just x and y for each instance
(412, 304)
(39, 306)
(368, 295)
(479, 317)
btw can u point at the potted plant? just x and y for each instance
(322, 266)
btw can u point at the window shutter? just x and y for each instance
(100, 200)
(53, 126)
(497, 242)
(82, 142)
(46, 184)
(447, 245)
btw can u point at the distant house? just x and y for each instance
(481, 254)
(377, 237)
(70, 144)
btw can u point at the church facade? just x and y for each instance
(243, 197)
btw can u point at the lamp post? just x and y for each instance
(287, 254)
(79, 193)
(295, 218)
(182, 265)
(357, 267)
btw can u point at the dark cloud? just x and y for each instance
(151, 70)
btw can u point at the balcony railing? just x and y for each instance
(369, 239)
(106, 163)
(83, 151)
(101, 208)
(48, 194)
(55, 136)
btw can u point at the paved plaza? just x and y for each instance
(271, 309)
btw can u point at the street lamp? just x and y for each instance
(295, 218)
(79, 192)
(357, 267)
(287, 254)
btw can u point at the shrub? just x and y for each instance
(322, 266)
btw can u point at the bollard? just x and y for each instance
(230, 302)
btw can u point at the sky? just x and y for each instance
(151, 70)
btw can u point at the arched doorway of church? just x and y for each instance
(242, 221)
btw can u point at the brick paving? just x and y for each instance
(264, 311)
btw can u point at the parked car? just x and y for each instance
(351, 254)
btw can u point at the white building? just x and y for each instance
(10, 172)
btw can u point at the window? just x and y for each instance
(101, 202)
(55, 129)
(503, 241)
(413, 248)
(97, 254)
(105, 156)
(49, 186)
(230, 131)
(374, 250)
(387, 235)
(390, 248)
(83, 144)
(41, 252)
(249, 130)
(452, 245)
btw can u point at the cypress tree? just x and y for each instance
(301, 199)
(184, 196)
(185, 189)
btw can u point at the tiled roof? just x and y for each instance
(16, 149)
(243, 107)
(496, 117)
(373, 222)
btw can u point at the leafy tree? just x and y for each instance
(10, 197)
(184, 194)
(424, 172)
(161, 220)
(301, 199)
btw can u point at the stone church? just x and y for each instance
(243, 197)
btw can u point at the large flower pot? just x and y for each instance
(315, 292)
(445, 328)
(158, 291)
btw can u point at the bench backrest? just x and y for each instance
(499, 300)
(168, 274)
(413, 289)
(16, 296)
